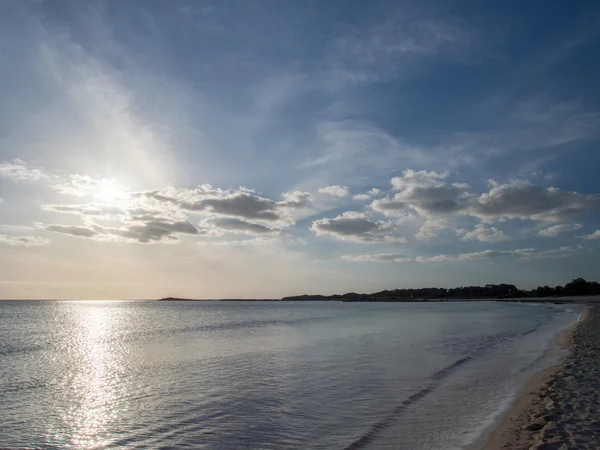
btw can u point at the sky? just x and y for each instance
(264, 148)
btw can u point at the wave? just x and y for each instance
(436, 381)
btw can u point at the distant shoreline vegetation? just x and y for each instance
(576, 288)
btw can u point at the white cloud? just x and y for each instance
(378, 257)
(411, 178)
(594, 235)
(92, 209)
(485, 254)
(482, 233)
(242, 203)
(424, 192)
(561, 252)
(462, 186)
(149, 216)
(259, 240)
(523, 254)
(22, 241)
(430, 228)
(357, 227)
(428, 194)
(368, 195)
(336, 191)
(160, 215)
(555, 230)
(101, 189)
(296, 200)
(18, 170)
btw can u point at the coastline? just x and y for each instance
(537, 419)
(372, 298)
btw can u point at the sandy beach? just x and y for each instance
(559, 407)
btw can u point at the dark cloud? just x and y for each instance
(522, 200)
(157, 195)
(149, 214)
(427, 201)
(355, 226)
(240, 204)
(73, 230)
(144, 232)
(424, 192)
(154, 231)
(241, 226)
(154, 216)
(429, 196)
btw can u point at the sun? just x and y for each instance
(109, 191)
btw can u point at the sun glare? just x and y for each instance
(109, 191)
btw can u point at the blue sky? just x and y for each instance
(267, 148)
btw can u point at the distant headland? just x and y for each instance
(505, 292)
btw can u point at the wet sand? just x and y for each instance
(559, 407)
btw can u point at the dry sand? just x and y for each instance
(559, 408)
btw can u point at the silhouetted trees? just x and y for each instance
(577, 287)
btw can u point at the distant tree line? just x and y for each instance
(576, 287)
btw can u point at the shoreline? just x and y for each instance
(535, 419)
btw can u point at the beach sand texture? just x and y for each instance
(559, 408)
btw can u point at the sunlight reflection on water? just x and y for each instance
(92, 385)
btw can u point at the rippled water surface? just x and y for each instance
(264, 375)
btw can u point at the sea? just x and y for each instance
(265, 375)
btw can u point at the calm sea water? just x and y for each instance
(230, 375)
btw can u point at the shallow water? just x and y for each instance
(225, 375)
